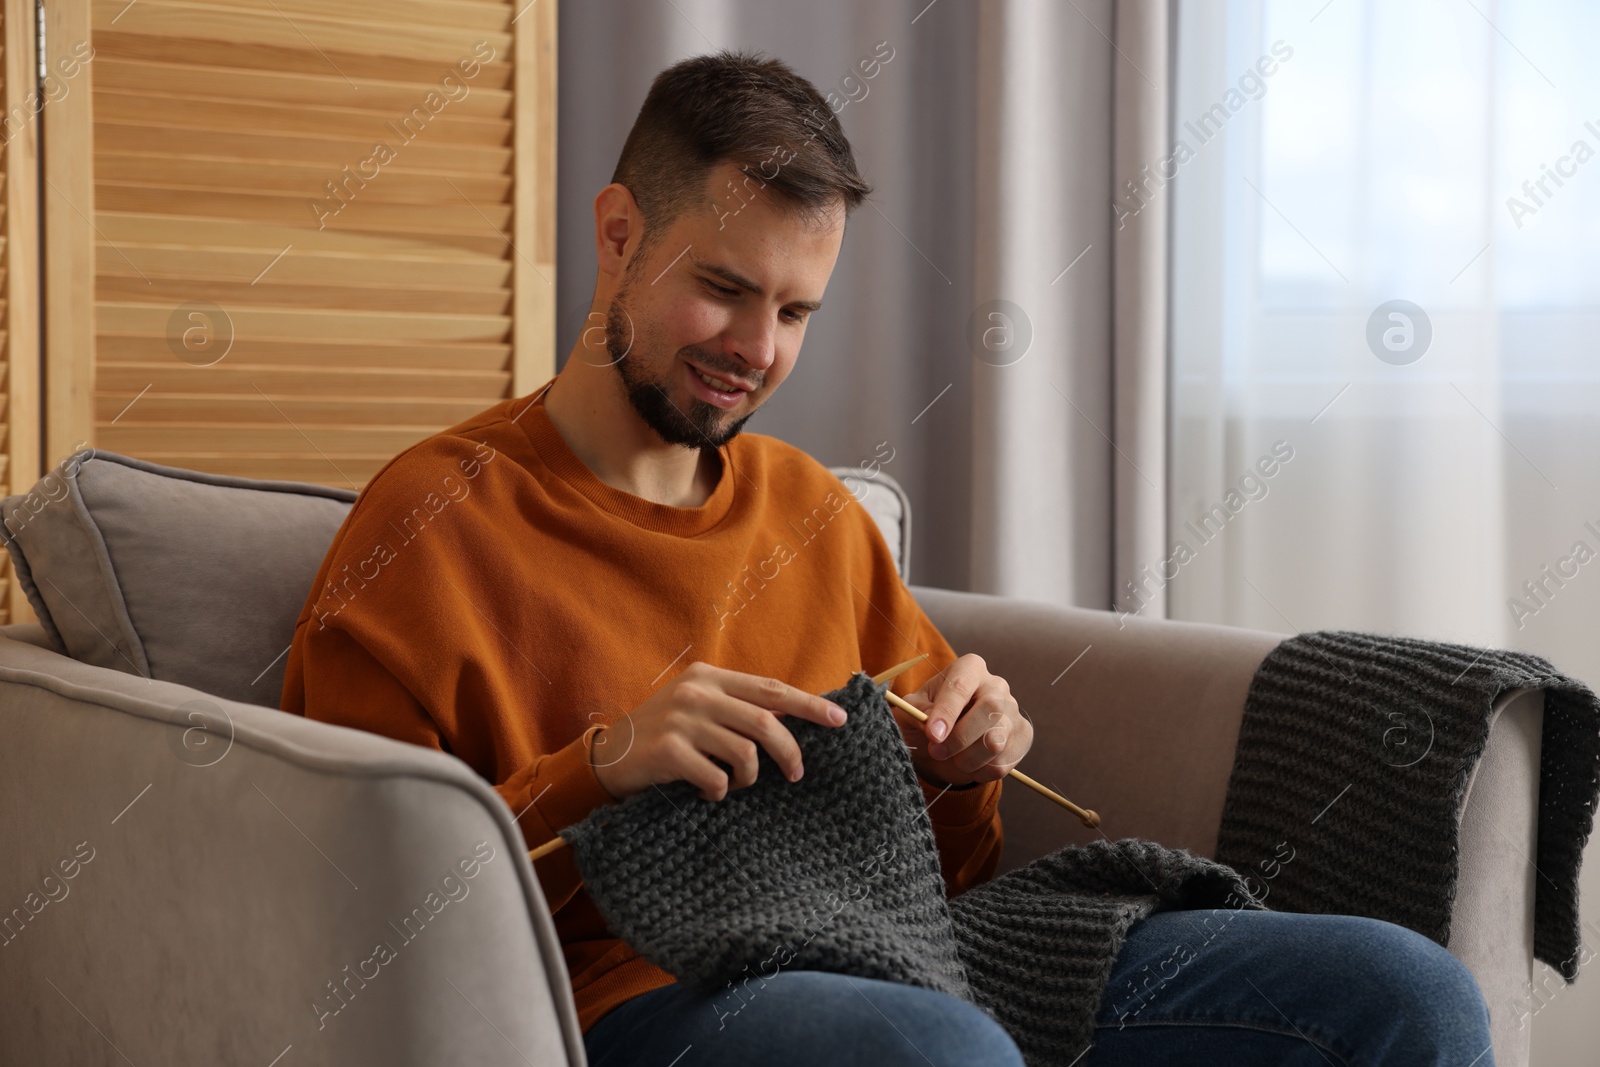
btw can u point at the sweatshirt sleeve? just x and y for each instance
(966, 825)
(549, 794)
(332, 678)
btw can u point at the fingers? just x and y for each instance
(717, 714)
(961, 680)
(732, 728)
(776, 696)
(989, 738)
(991, 757)
(984, 723)
(736, 734)
(757, 726)
(708, 727)
(737, 751)
(988, 752)
(689, 764)
(989, 705)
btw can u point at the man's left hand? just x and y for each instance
(975, 731)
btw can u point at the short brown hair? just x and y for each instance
(742, 108)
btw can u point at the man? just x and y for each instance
(604, 587)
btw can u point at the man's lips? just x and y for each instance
(738, 384)
(709, 394)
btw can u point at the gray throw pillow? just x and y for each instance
(171, 574)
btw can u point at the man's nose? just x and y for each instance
(752, 339)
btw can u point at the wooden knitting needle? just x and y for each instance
(887, 676)
(545, 849)
(1087, 817)
(897, 670)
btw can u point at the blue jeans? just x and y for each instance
(1192, 987)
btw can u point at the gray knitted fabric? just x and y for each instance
(835, 872)
(1356, 750)
(840, 872)
(1040, 941)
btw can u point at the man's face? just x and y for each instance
(725, 292)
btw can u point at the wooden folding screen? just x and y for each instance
(289, 238)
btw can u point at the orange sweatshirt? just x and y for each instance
(489, 597)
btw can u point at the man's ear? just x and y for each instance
(618, 229)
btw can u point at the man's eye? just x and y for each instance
(721, 290)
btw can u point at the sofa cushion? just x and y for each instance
(198, 578)
(171, 574)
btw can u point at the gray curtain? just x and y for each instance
(988, 139)
(1142, 139)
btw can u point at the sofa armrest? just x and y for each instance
(243, 881)
(1136, 718)
(1491, 926)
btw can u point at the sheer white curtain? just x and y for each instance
(1341, 156)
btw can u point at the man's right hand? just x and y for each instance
(708, 712)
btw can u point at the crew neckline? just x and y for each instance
(558, 456)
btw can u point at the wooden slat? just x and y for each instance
(418, 119)
(292, 323)
(443, 14)
(459, 225)
(320, 355)
(303, 179)
(170, 292)
(155, 407)
(319, 89)
(304, 266)
(373, 35)
(128, 379)
(123, 229)
(359, 70)
(333, 152)
(222, 438)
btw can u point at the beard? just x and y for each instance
(701, 425)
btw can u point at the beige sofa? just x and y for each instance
(192, 876)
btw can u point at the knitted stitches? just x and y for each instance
(1040, 941)
(836, 872)
(840, 872)
(1356, 749)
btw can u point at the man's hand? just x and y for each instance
(706, 712)
(975, 731)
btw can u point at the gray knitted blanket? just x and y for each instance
(1356, 750)
(840, 872)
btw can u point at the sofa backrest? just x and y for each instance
(198, 578)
